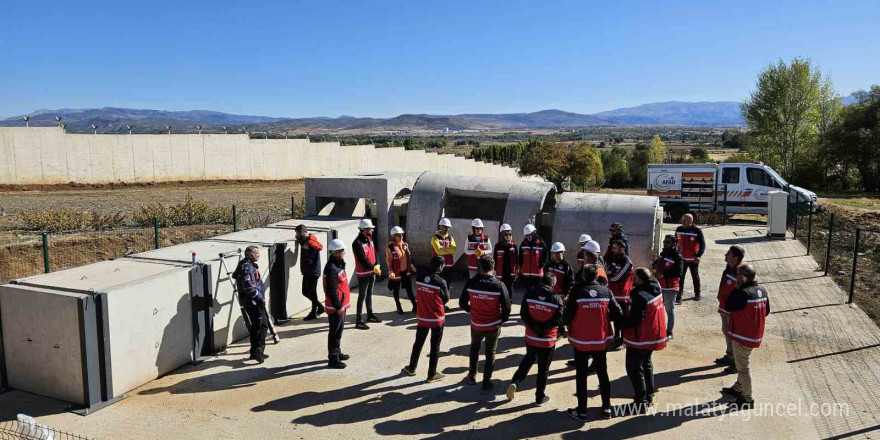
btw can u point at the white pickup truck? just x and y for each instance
(735, 188)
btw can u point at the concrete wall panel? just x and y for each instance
(53, 154)
(7, 150)
(79, 158)
(102, 170)
(123, 158)
(144, 169)
(180, 163)
(28, 166)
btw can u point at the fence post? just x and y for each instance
(828, 249)
(46, 252)
(234, 219)
(156, 232)
(797, 208)
(852, 277)
(810, 229)
(292, 207)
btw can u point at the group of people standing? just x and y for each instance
(599, 306)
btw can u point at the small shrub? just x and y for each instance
(55, 220)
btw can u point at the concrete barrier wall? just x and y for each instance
(47, 155)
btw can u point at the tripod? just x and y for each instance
(247, 322)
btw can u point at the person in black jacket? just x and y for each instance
(336, 298)
(506, 258)
(433, 295)
(589, 290)
(692, 245)
(366, 269)
(668, 268)
(541, 311)
(639, 366)
(488, 311)
(310, 268)
(252, 296)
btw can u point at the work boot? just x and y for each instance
(311, 316)
(470, 380)
(336, 364)
(579, 416)
(319, 311)
(258, 356)
(744, 403)
(731, 369)
(697, 297)
(409, 371)
(731, 391)
(488, 387)
(678, 299)
(373, 318)
(725, 360)
(344, 357)
(436, 377)
(542, 400)
(606, 413)
(361, 326)
(399, 310)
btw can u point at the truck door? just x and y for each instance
(731, 186)
(758, 184)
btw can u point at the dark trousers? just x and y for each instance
(259, 325)
(395, 285)
(529, 282)
(334, 336)
(421, 336)
(544, 356)
(365, 293)
(310, 291)
(600, 364)
(695, 276)
(641, 373)
(508, 282)
(491, 338)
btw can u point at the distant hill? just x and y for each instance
(115, 120)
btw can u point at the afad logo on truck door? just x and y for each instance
(761, 194)
(665, 182)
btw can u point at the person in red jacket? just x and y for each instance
(734, 258)
(748, 307)
(532, 257)
(487, 302)
(644, 333)
(620, 278)
(431, 315)
(589, 312)
(336, 299)
(692, 245)
(366, 268)
(477, 245)
(667, 269)
(506, 258)
(400, 268)
(541, 312)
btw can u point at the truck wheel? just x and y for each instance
(676, 211)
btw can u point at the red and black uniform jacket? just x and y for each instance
(748, 307)
(532, 257)
(645, 321)
(541, 311)
(364, 256)
(727, 286)
(564, 277)
(589, 311)
(487, 301)
(474, 242)
(431, 294)
(396, 268)
(249, 283)
(505, 259)
(691, 242)
(668, 269)
(336, 293)
(620, 275)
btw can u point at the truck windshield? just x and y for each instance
(776, 176)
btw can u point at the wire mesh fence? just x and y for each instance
(26, 428)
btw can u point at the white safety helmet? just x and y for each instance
(529, 229)
(445, 222)
(505, 227)
(584, 238)
(396, 230)
(366, 224)
(477, 223)
(592, 246)
(336, 245)
(557, 247)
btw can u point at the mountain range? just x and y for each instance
(115, 120)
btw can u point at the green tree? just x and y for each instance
(557, 163)
(615, 168)
(739, 158)
(854, 138)
(642, 156)
(585, 166)
(699, 155)
(781, 113)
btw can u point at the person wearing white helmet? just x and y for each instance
(443, 244)
(477, 245)
(336, 301)
(563, 276)
(366, 268)
(592, 255)
(532, 257)
(584, 238)
(506, 258)
(400, 268)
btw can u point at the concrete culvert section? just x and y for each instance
(591, 213)
(463, 198)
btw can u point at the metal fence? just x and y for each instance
(26, 428)
(30, 253)
(844, 249)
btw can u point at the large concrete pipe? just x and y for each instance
(591, 213)
(462, 198)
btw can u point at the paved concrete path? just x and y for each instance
(816, 351)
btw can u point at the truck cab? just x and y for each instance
(736, 188)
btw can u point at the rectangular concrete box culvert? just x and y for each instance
(326, 229)
(144, 328)
(228, 323)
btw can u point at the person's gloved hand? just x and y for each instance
(377, 270)
(478, 252)
(390, 275)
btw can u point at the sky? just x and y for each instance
(382, 59)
